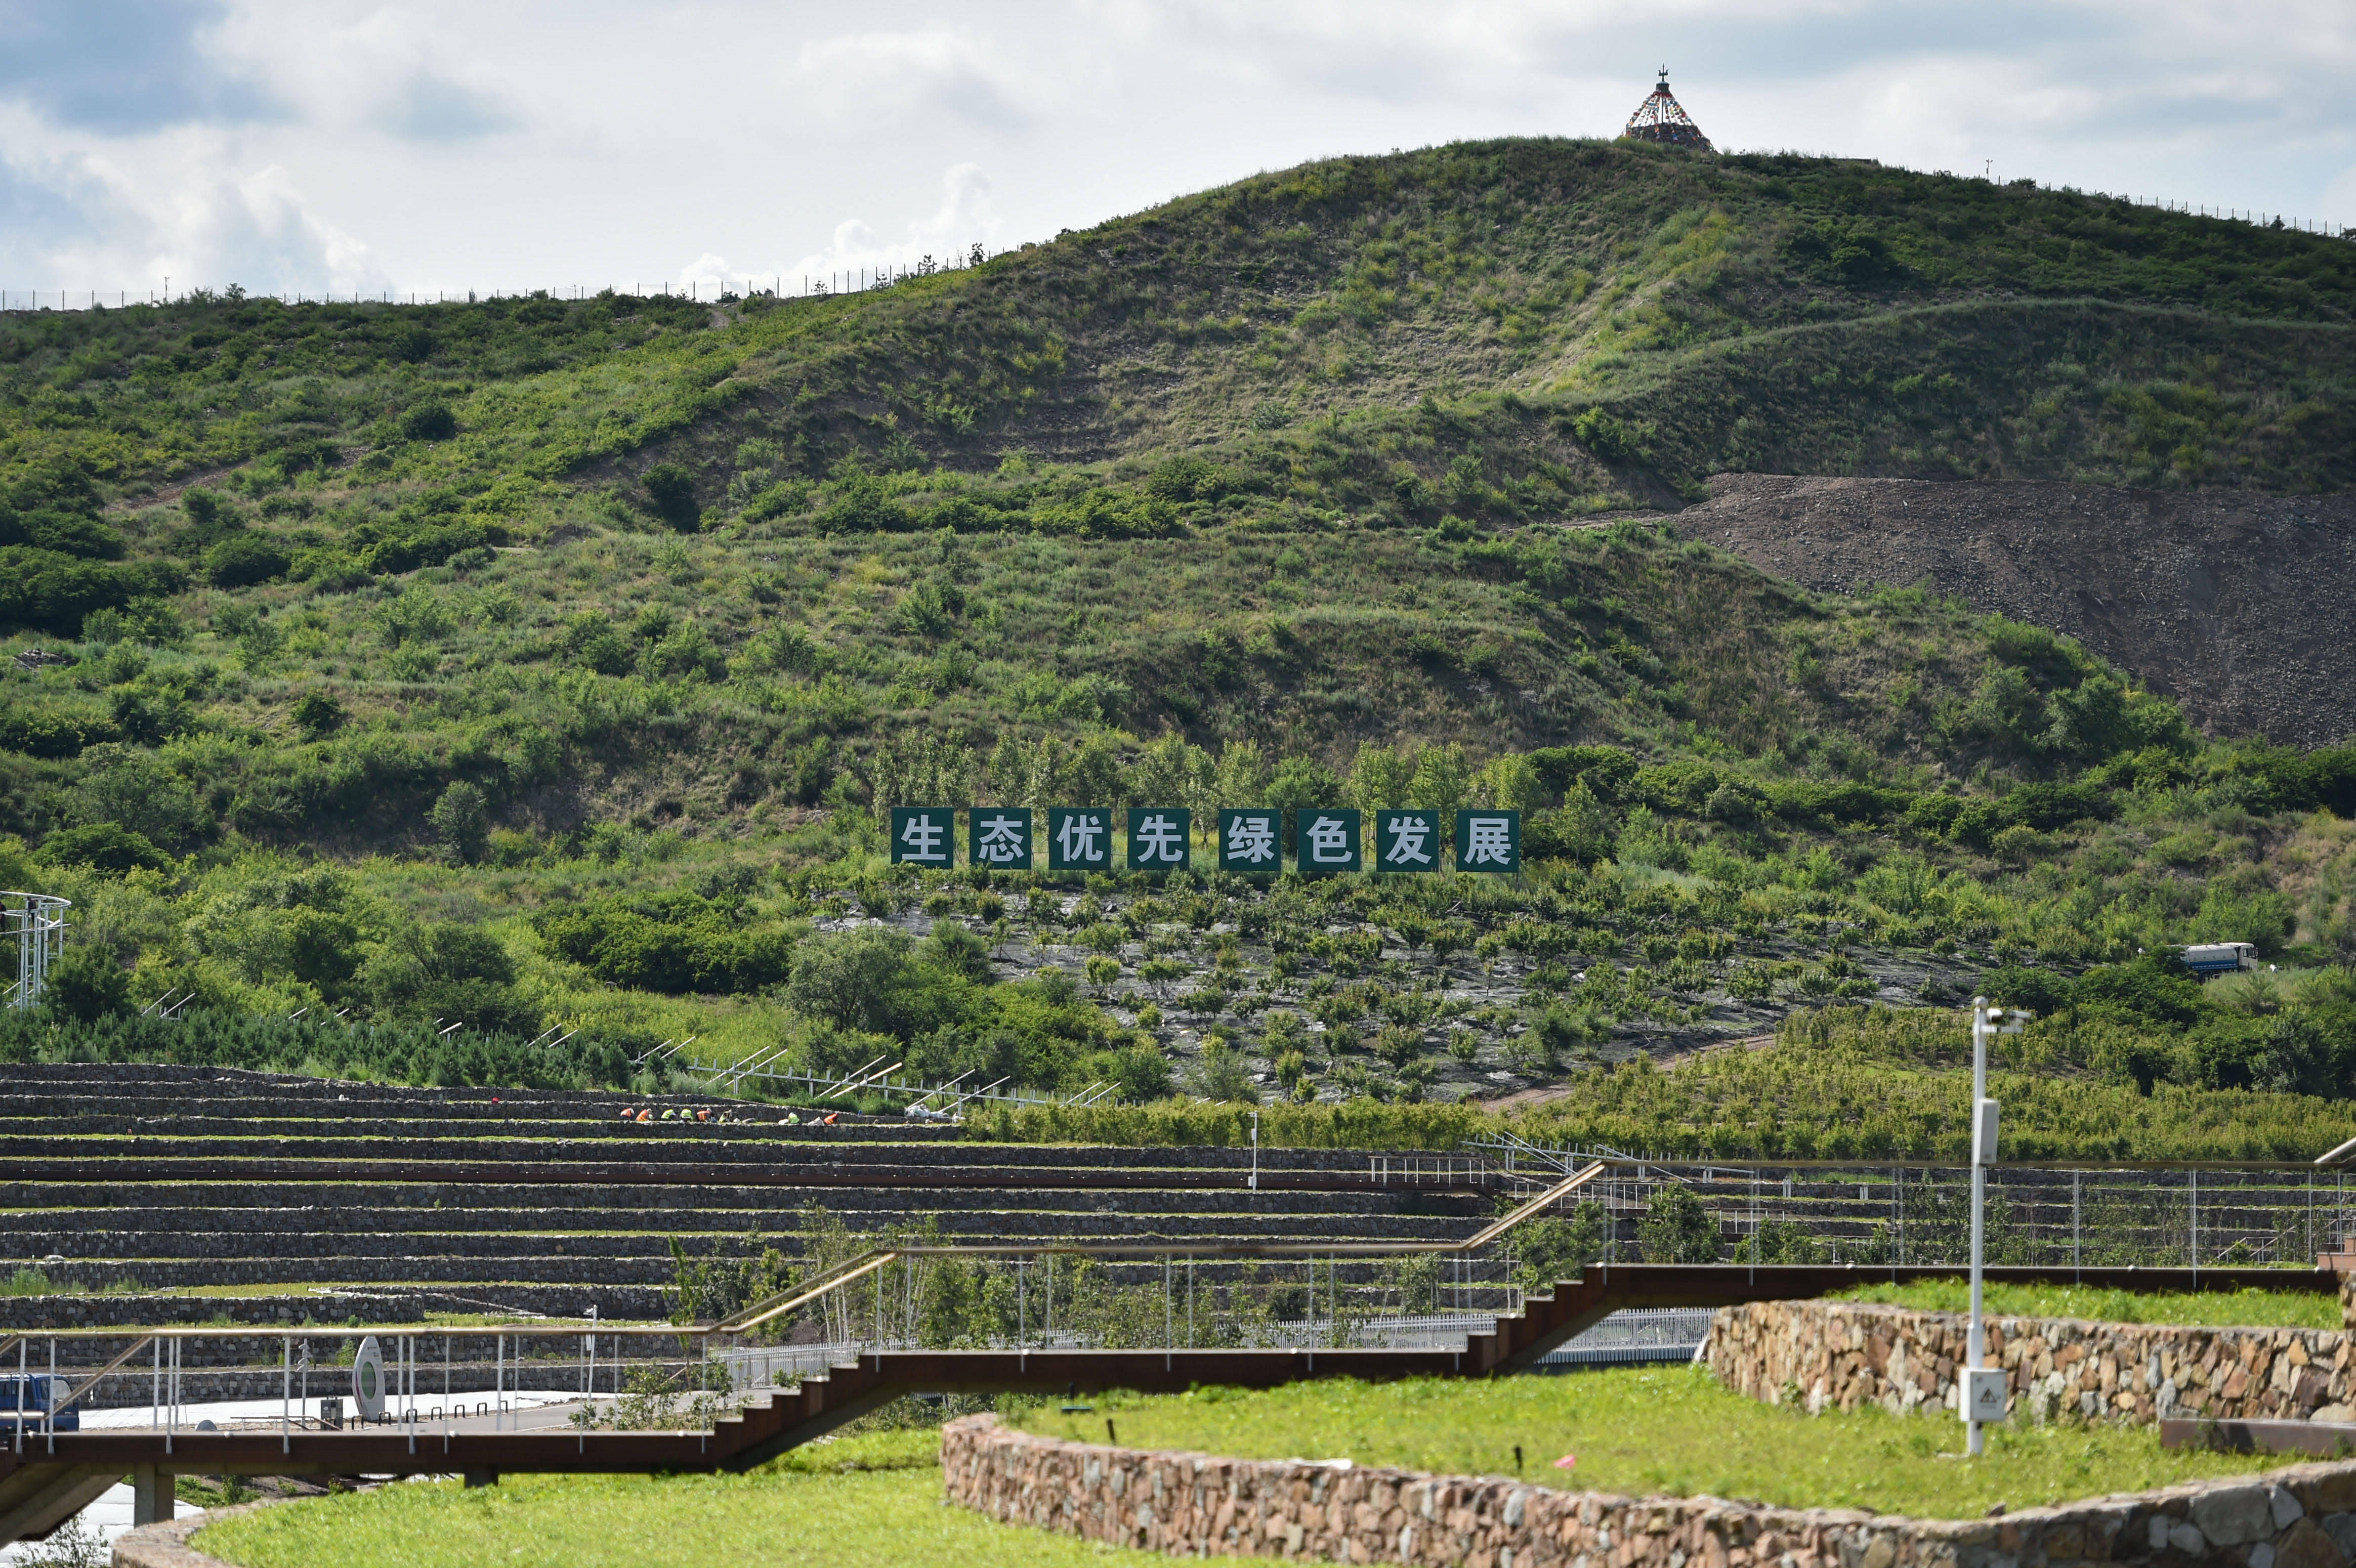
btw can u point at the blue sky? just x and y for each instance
(435, 147)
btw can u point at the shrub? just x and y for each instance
(678, 944)
(52, 592)
(1548, 1252)
(105, 846)
(430, 421)
(317, 715)
(1224, 1075)
(129, 787)
(245, 559)
(671, 488)
(86, 984)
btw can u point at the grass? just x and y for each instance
(2250, 1308)
(858, 1503)
(1642, 1432)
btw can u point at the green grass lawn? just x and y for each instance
(860, 1503)
(1644, 1431)
(2215, 1308)
(877, 1498)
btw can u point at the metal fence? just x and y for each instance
(2091, 1214)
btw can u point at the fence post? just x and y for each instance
(2075, 1266)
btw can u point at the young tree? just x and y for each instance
(1379, 777)
(1677, 1229)
(462, 821)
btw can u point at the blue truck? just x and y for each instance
(33, 1402)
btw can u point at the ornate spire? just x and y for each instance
(1661, 118)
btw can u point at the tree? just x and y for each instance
(1677, 1229)
(462, 821)
(126, 785)
(671, 488)
(1242, 778)
(1550, 1251)
(849, 978)
(458, 973)
(1441, 781)
(1378, 777)
(1224, 1075)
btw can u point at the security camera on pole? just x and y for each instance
(1982, 1387)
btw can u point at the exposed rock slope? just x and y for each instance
(2240, 605)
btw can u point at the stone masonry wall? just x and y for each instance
(1186, 1505)
(1845, 1354)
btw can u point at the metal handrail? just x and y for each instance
(876, 1257)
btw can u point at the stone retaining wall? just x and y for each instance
(1844, 1354)
(1186, 1505)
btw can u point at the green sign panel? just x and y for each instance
(1251, 839)
(998, 837)
(1158, 838)
(1079, 839)
(1406, 841)
(1488, 840)
(1327, 839)
(924, 836)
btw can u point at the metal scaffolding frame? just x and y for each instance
(36, 922)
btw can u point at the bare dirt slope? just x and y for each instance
(2243, 606)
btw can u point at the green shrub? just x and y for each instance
(429, 420)
(47, 591)
(671, 489)
(317, 715)
(86, 984)
(105, 846)
(245, 559)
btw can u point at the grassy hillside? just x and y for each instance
(537, 662)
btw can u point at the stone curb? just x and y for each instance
(1186, 1505)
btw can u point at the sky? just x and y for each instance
(440, 147)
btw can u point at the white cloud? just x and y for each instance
(176, 205)
(859, 255)
(534, 144)
(945, 69)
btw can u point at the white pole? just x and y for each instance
(1975, 1443)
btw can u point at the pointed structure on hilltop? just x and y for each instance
(1661, 118)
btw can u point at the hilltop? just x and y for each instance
(538, 661)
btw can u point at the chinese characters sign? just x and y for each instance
(998, 837)
(1157, 839)
(1251, 841)
(1079, 839)
(924, 836)
(1488, 840)
(1326, 839)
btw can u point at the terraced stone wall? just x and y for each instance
(1188, 1505)
(1845, 1354)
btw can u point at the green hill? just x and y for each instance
(537, 660)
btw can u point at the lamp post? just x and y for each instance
(1982, 1394)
